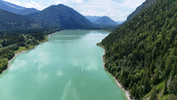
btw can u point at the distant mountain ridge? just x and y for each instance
(28, 11)
(15, 8)
(105, 21)
(12, 21)
(102, 21)
(14, 17)
(93, 18)
(61, 16)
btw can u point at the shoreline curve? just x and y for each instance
(127, 93)
(18, 53)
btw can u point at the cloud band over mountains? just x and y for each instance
(116, 9)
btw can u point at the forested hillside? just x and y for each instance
(12, 21)
(142, 54)
(61, 16)
(144, 6)
(139, 9)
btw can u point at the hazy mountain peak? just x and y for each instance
(15, 8)
(61, 16)
(92, 18)
(12, 5)
(105, 21)
(61, 5)
(105, 17)
(12, 21)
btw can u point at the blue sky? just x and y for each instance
(118, 10)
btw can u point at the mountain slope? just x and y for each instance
(141, 8)
(15, 8)
(10, 7)
(142, 54)
(11, 21)
(61, 16)
(28, 11)
(105, 21)
(92, 18)
(144, 6)
(120, 22)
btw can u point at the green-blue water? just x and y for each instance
(67, 67)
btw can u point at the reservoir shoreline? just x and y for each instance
(48, 36)
(45, 67)
(127, 93)
(18, 53)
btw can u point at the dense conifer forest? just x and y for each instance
(142, 54)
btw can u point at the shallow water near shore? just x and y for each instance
(67, 67)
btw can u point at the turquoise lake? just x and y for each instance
(67, 67)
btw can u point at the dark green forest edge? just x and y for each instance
(12, 42)
(142, 54)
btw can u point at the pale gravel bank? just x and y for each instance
(118, 83)
(14, 57)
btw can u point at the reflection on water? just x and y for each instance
(60, 73)
(91, 63)
(68, 67)
(18, 64)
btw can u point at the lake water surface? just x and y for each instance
(67, 67)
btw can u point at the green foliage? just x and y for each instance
(153, 94)
(173, 86)
(3, 64)
(165, 88)
(144, 50)
(171, 97)
(20, 49)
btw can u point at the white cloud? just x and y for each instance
(113, 9)
(91, 65)
(41, 78)
(132, 4)
(27, 4)
(14, 1)
(17, 64)
(33, 4)
(94, 34)
(69, 92)
(60, 73)
(67, 89)
(42, 59)
(116, 9)
(60, 1)
(77, 1)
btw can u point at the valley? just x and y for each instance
(140, 53)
